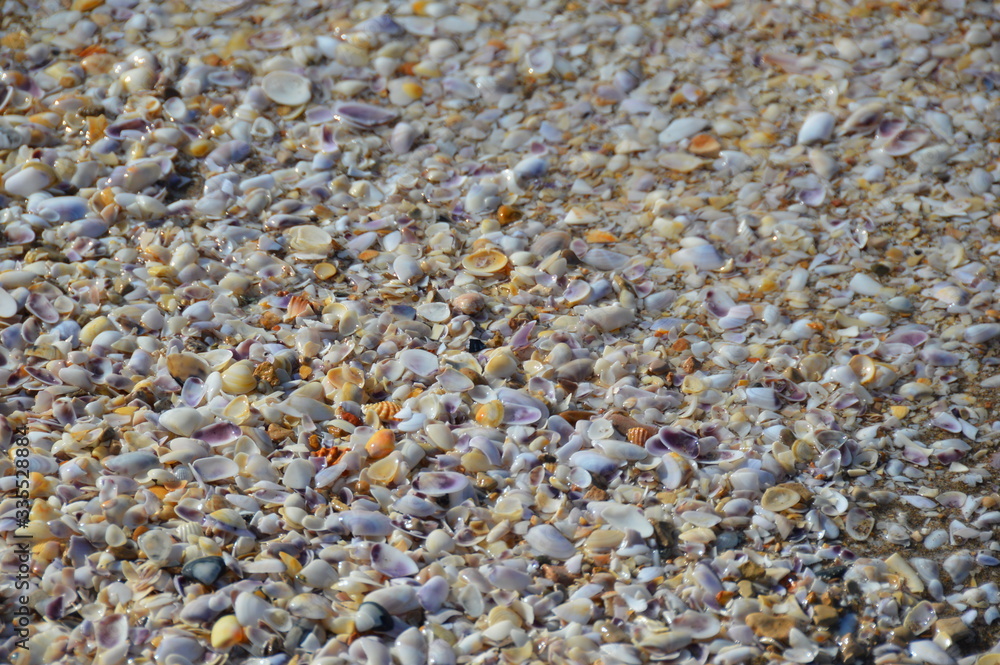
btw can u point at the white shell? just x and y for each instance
(287, 88)
(816, 128)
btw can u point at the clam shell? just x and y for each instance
(287, 88)
(485, 262)
(777, 499)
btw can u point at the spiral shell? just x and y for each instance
(638, 435)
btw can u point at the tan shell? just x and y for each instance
(485, 262)
(777, 499)
(384, 410)
(863, 367)
(299, 306)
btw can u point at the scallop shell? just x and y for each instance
(638, 435)
(384, 410)
(485, 262)
(777, 499)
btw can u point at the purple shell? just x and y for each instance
(433, 593)
(439, 483)
(218, 434)
(389, 561)
(193, 391)
(40, 306)
(363, 116)
(675, 440)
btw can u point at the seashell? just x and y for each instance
(380, 444)
(482, 199)
(779, 498)
(681, 162)
(639, 435)
(701, 257)
(485, 262)
(238, 378)
(863, 120)
(858, 524)
(215, 468)
(680, 129)
(363, 116)
(385, 471)
(906, 141)
(205, 570)
(817, 127)
(363, 523)
(403, 136)
(921, 617)
(287, 88)
(470, 304)
(420, 362)
(372, 616)
(183, 366)
(981, 332)
(309, 239)
(439, 483)
(40, 306)
(182, 421)
(530, 168)
(392, 563)
(546, 540)
(226, 632)
(384, 410)
(407, 269)
(611, 318)
(490, 414)
(31, 177)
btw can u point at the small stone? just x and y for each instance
(824, 615)
(768, 625)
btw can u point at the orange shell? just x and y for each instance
(638, 435)
(381, 444)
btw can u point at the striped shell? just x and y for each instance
(638, 435)
(384, 410)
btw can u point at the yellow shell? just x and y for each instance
(226, 632)
(777, 499)
(490, 414)
(380, 444)
(385, 471)
(485, 262)
(238, 378)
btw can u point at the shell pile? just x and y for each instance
(435, 332)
